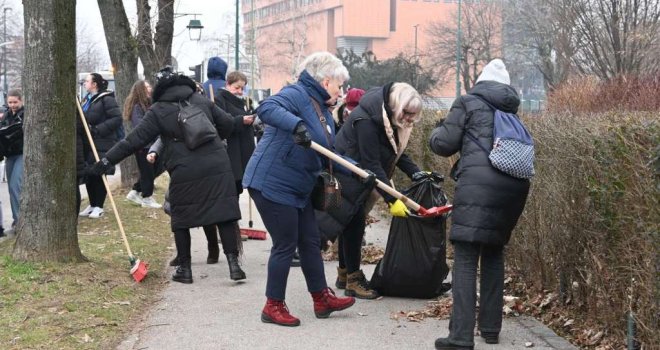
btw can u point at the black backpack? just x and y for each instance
(196, 127)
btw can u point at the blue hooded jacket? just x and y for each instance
(216, 72)
(284, 172)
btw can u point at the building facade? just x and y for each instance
(285, 31)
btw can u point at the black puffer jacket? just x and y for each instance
(202, 189)
(487, 202)
(363, 138)
(104, 118)
(11, 143)
(240, 144)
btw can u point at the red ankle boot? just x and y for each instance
(325, 303)
(276, 312)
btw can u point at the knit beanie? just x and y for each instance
(353, 97)
(495, 71)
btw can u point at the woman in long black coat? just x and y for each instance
(487, 205)
(240, 144)
(202, 190)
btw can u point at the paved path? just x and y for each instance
(216, 313)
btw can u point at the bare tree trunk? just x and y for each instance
(155, 50)
(123, 54)
(47, 226)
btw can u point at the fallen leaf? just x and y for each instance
(529, 344)
(569, 322)
(361, 314)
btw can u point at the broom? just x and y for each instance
(250, 232)
(245, 232)
(138, 268)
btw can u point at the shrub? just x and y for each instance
(590, 227)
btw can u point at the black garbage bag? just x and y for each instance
(414, 264)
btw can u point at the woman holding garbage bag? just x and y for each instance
(202, 189)
(375, 135)
(487, 205)
(280, 177)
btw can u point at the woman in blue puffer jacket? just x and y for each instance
(280, 177)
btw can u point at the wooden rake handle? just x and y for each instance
(363, 174)
(105, 181)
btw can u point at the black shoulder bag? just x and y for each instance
(327, 191)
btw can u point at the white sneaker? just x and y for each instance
(134, 197)
(149, 202)
(96, 213)
(86, 211)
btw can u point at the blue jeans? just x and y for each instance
(464, 291)
(291, 227)
(14, 168)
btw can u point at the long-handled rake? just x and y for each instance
(138, 267)
(421, 211)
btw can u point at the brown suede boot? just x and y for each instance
(358, 286)
(340, 283)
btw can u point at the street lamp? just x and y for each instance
(195, 29)
(4, 49)
(194, 26)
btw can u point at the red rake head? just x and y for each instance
(139, 270)
(435, 211)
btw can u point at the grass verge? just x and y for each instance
(89, 305)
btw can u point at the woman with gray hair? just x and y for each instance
(375, 135)
(280, 177)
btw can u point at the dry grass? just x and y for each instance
(88, 305)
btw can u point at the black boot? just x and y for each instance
(235, 272)
(183, 274)
(175, 261)
(214, 253)
(2, 231)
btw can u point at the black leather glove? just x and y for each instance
(99, 168)
(421, 175)
(301, 135)
(370, 180)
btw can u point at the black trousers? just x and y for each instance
(230, 236)
(229, 233)
(350, 242)
(148, 172)
(95, 191)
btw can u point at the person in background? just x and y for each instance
(11, 146)
(136, 105)
(280, 178)
(202, 190)
(351, 101)
(104, 119)
(216, 71)
(376, 135)
(487, 205)
(240, 144)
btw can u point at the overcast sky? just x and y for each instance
(217, 17)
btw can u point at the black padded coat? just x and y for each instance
(240, 144)
(487, 202)
(202, 189)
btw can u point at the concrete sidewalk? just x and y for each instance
(217, 313)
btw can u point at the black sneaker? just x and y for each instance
(2, 232)
(491, 337)
(444, 344)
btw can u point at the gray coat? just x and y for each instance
(487, 202)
